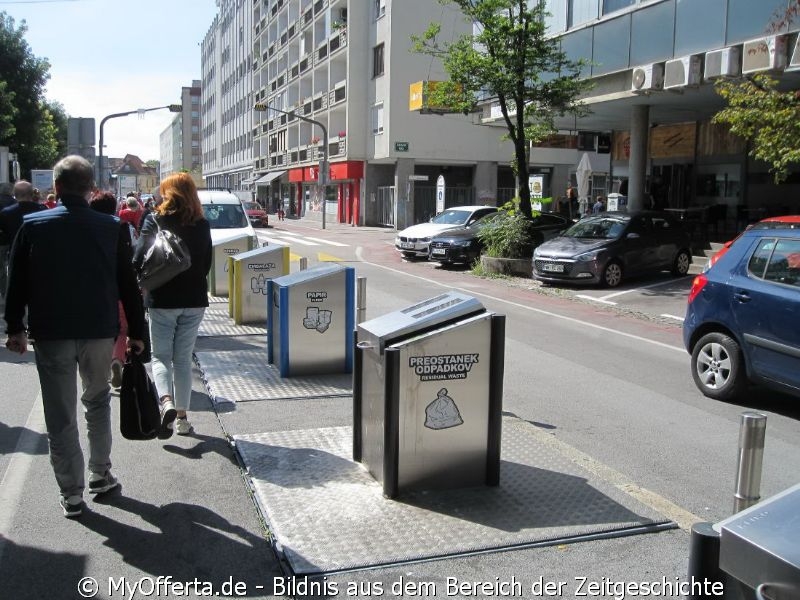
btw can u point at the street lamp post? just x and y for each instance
(322, 178)
(176, 108)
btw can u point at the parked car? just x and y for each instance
(741, 320)
(413, 241)
(463, 245)
(257, 215)
(783, 222)
(226, 215)
(608, 247)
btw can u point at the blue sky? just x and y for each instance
(110, 56)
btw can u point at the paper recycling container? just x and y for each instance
(248, 274)
(311, 321)
(223, 248)
(427, 395)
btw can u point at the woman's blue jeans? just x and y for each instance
(173, 332)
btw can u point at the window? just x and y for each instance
(380, 8)
(377, 118)
(377, 61)
(614, 5)
(784, 264)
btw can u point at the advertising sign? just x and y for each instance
(439, 194)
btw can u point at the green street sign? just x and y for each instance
(401, 146)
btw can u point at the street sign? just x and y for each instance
(401, 146)
(418, 178)
(439, 194)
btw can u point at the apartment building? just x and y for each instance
(346, 66)
(180, 141)
(226, 101)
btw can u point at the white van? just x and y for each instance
(225, 213)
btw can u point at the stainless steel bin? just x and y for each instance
(311, 321)
(760, 546)
(223, 248)
(248, 276)
(427, 395)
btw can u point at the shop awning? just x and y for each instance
(267, 179)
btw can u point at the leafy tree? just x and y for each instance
(765, 116)
(29, 126)
(507, 59)
(153, 163)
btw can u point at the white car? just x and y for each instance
(413, 241)
(226, 215)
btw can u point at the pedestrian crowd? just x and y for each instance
(83, 245)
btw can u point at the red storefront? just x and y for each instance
(343, 189)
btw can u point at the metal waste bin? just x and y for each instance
(427, 395)
(311, 321)
(248, 276)
(760, 546)
(223, 248)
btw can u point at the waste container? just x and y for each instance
(248, 274)
(311, 321)
(617, 202)
(222, 249)
(427, 395)
(759, 546)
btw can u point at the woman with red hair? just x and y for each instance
(177, 307)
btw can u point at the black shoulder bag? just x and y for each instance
(166, 258)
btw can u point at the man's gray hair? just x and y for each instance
(75, 175)
(23, 191)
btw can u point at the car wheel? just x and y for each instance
(682, 263)
(612, 274)
(718, 367)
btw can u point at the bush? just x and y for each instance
(508, 235)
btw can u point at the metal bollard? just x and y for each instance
(361, 299)
(303, 263)
(752, 430)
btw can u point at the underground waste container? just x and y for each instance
(222, 249)
(248, 276)
(311, 321)
(427, 395)
(759, 548)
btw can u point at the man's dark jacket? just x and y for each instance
(69, 266)
(11, 219)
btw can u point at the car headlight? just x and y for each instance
(425, 240)
(588, 256)
(461, 243)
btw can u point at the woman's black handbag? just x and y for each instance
(139, 416)
(167, 257)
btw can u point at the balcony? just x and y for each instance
(338, 41)
(319, 5)
(322, 51)
(338, 94)
(305, 63)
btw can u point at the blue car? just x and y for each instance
(742, 321)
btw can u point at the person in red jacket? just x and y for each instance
(132, 214)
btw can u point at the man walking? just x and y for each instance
(11, 216)
(69, 267)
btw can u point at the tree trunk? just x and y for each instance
(522, 177)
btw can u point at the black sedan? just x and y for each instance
(605, 248)
(463, 245)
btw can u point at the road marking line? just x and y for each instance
(645, 287)
(289, 242)
(671, 316)
(327, 242)
(546, 313)
(669, 509)
(593, 299)
(13, 480)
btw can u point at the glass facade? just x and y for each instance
(611, 45)
(651, 41)
(610, 6)
(699, 25)
(746, 18)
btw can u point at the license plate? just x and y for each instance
(553, 268)
(438, 251)
(406, 244)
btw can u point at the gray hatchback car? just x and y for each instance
(607, 247)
